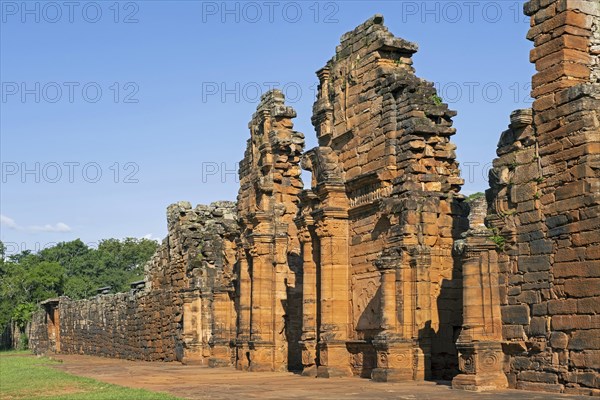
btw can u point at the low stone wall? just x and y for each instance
(132, 326)
(148, 322)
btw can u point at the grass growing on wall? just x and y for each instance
(25, 376)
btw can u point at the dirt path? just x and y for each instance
(196, 382)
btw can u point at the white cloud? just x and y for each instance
(8, 222)
(11, 224)
(151, 237)
(59, 227)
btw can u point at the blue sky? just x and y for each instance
(111, 111)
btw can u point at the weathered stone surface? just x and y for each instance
(543, 181)
(270, 266)
(515, 315)
(172, 316)
(384, 170)
(559, 340)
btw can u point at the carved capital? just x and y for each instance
(252, 249)
(420, 256)
(389, 259)
(304, 235)
(324, 228)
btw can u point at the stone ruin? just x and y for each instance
(382, 269)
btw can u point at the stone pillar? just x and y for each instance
(423, 330)
(309, 304)
(192, 328)
(267, 203)
(334, 326)
(479, 345)
(394, 351)
(262, 324)
(281, 278)
(221, 330)
(404, 346)
(244, 307)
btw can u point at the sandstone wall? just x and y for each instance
(270, 269)
(386, 174)
(544, 207)
(166, 319)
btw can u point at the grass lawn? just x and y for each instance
(24, 376)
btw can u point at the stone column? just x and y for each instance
(221, 325)
(335, 297)
(394, 351)
(404, 346)
(423, 330)
(479, 344)
(244, 307)
(309, 304)
(192, 328)
(279, 300)
(262, 324)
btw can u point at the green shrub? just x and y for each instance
(23, 342)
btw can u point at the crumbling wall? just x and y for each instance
(39, 342)
(159, 322)
(385, 181)
(595, 50)
(544, 204)
(270, 269)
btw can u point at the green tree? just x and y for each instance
(68, 268)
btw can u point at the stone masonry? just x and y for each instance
(383, 212)
(381, 268)
(170, 317)
(270, 269)
(543, 208)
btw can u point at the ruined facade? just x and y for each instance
(270, 269)
(381, 217)
(382, 269)
(167, 317)
(544, 203)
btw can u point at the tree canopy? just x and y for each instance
(67, 269)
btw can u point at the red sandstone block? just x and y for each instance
(568, 17)
(540, 387)
(544, 102)
(571, 322)
(570, 190)
(543, 128)
(536, 376)
(561, 70)
(544, 14)
(558, 85)
(583, 287)
(584, 6)
(554, 45)
(555, 132)
(572, 269)
(593, 252)
(590, 224)
(585, 340)
(550, 147)
(585, 238)
(562, 306)
(580, 138)
(560, 206)
(580, 391)
(573, 153)
(571, 30)
(589, 305)
(562, 56)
